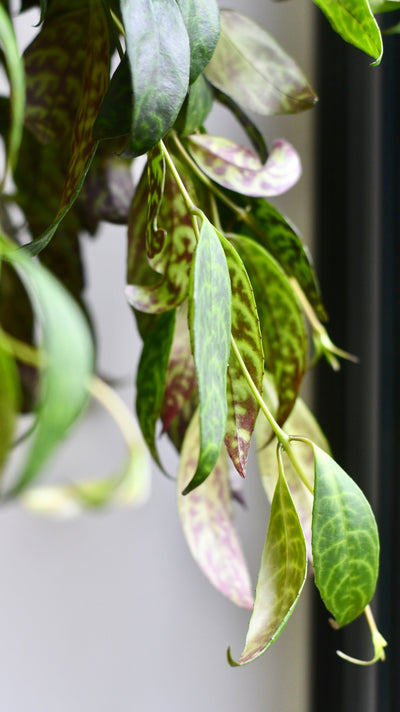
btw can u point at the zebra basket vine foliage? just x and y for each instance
(220, 284)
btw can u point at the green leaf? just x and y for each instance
(159, 58)
(9, 398)
(242, 406)
(151, 375)
(281, 576)
(250, 66)
(282, 327)
(207, 520)
(210, 322)
(15, 70)
(354, 22)
(115, 114)
(239, 169)
(267, 226)
(345, 541)
(201, 18)
(300, 422)
(155, 236)
(378, 6)
(68, 354)
(196, 107)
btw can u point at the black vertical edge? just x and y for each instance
(349, 232)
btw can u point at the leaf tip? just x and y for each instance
(230, 659)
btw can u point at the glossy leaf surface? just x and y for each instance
(281, 576)
(207, 520)
(282, 327)
(345, 541)
(201, 18)
(68, 354)
(210, 321)
(242, 406)
(353, 20)
(239, 169)
(251, 67)
(151, 374)
(159, 59)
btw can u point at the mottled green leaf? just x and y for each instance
(9, 399)
(353, 20)
(201, 18)
(281, 576)
(265, 224)
(251, 67)
(239, 169)
(16, 74)
(155, 236)
(180, 379)
(158, 50)
(196, 107)
(242, 406)
(207, 520)
(345, 541)
(94, 83)
(254, 134)
(68, 360)
(210, 322)
(147, 290)
(282, 327)
(115, 114)
(300, 422)
(151, 375)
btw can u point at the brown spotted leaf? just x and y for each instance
(155, 235)
(282, 327)
(242, 406)
(207, 521)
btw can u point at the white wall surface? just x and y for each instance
(109, 612)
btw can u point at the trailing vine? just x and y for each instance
(218, 280)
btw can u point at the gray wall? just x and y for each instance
(109, 612)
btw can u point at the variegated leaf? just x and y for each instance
(282, 327)
(207, 521)
(239, 169)
(210, 323)
(281, 576)
(242, 405)
(353, 20)
(155, 236)
(181, 375)
(251, 67)
(201, 18)
(300, 422)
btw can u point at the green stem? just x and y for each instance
(194, 211)
(282, 437)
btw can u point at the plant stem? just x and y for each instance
(282, 437)
(191, 207)
(113, 404)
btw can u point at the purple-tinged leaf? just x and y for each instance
(207, 521)
(251, 67)
(242, 406)
(300, 422)
(181, 374)
(281, 576)
(239, 169)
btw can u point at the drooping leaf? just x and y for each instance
(282, 327)
(353, 20)
(345, 541)
(155, 235)
(253, 133)
(265, 224)
(181, 374)
(201, 18)
(68, 360)
(9, 399)
(242, 405)
(151, 375)
(94, 84)
(251, 67)
(148, 291)
(159, 58)
(210, 323)
(207, 521)
(281, 576)
(115, 114)
(196, 107)
(239, 169)
(300, 422)
(16, 74)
